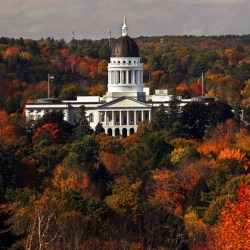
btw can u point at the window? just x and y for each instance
(91, 117)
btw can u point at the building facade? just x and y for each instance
(126, 103)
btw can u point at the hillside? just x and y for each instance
(182, 181)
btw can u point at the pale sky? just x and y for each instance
(93, 18)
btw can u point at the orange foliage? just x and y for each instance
(110, 161)
(236, 154)
(7, 131)
(233, 229)
(196, 89)
(129, 141)
(223, 136)
(67, 178)
(83, 68)
(182, 87)
(168, 190)
(102, 67)
(11, 51)
(216, 147)
(98, 89)
(63, 53)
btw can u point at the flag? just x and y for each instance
(51, 77)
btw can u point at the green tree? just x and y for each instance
(160, 120)
(219, 112)
(83, 128)
(195, 119)
(99, 128)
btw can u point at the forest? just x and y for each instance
(182, 181)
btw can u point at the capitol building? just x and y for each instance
(126, 103)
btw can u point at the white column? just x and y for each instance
(142, 115)
(113, 119)
(127, 77)
(115, 77)
(127, 117)
(120, 117)
(133, 77)
(121, 76)
(141, 77)
(66, 115)
(135, 118)
(149, 116)
(36, 115)
(105, 117)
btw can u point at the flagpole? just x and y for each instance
(202, 84)
(48, 84)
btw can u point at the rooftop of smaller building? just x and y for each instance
(48, 100)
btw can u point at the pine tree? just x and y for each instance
(161, 118)
(99, 128)
(173, 112)
(83, 127)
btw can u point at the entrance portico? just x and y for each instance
(123, 113)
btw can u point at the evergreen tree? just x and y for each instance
(83, 127)
(99, 128)
(160, 119)
(173, 111)
(219, 112)
(195, 119)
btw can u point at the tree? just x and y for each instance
(160, 120)
(83, 128)
(195, 119)
(7, 238)
(99, 128)
(219, 112)
(49, 133)
(55, 117)
(233, 228)
(173, 111)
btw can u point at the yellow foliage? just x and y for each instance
(25, 55)
(195, 227)
(66, 178)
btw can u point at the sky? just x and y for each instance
(91, 19)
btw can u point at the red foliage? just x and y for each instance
(49, 131)
(196, 89)
(233, 228)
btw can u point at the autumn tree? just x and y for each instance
(232, 231)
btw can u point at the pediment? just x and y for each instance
(124, 103)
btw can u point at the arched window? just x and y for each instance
(110, 131)
(124, 133)
(117, 132)
(131, 131)
(91, 117)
